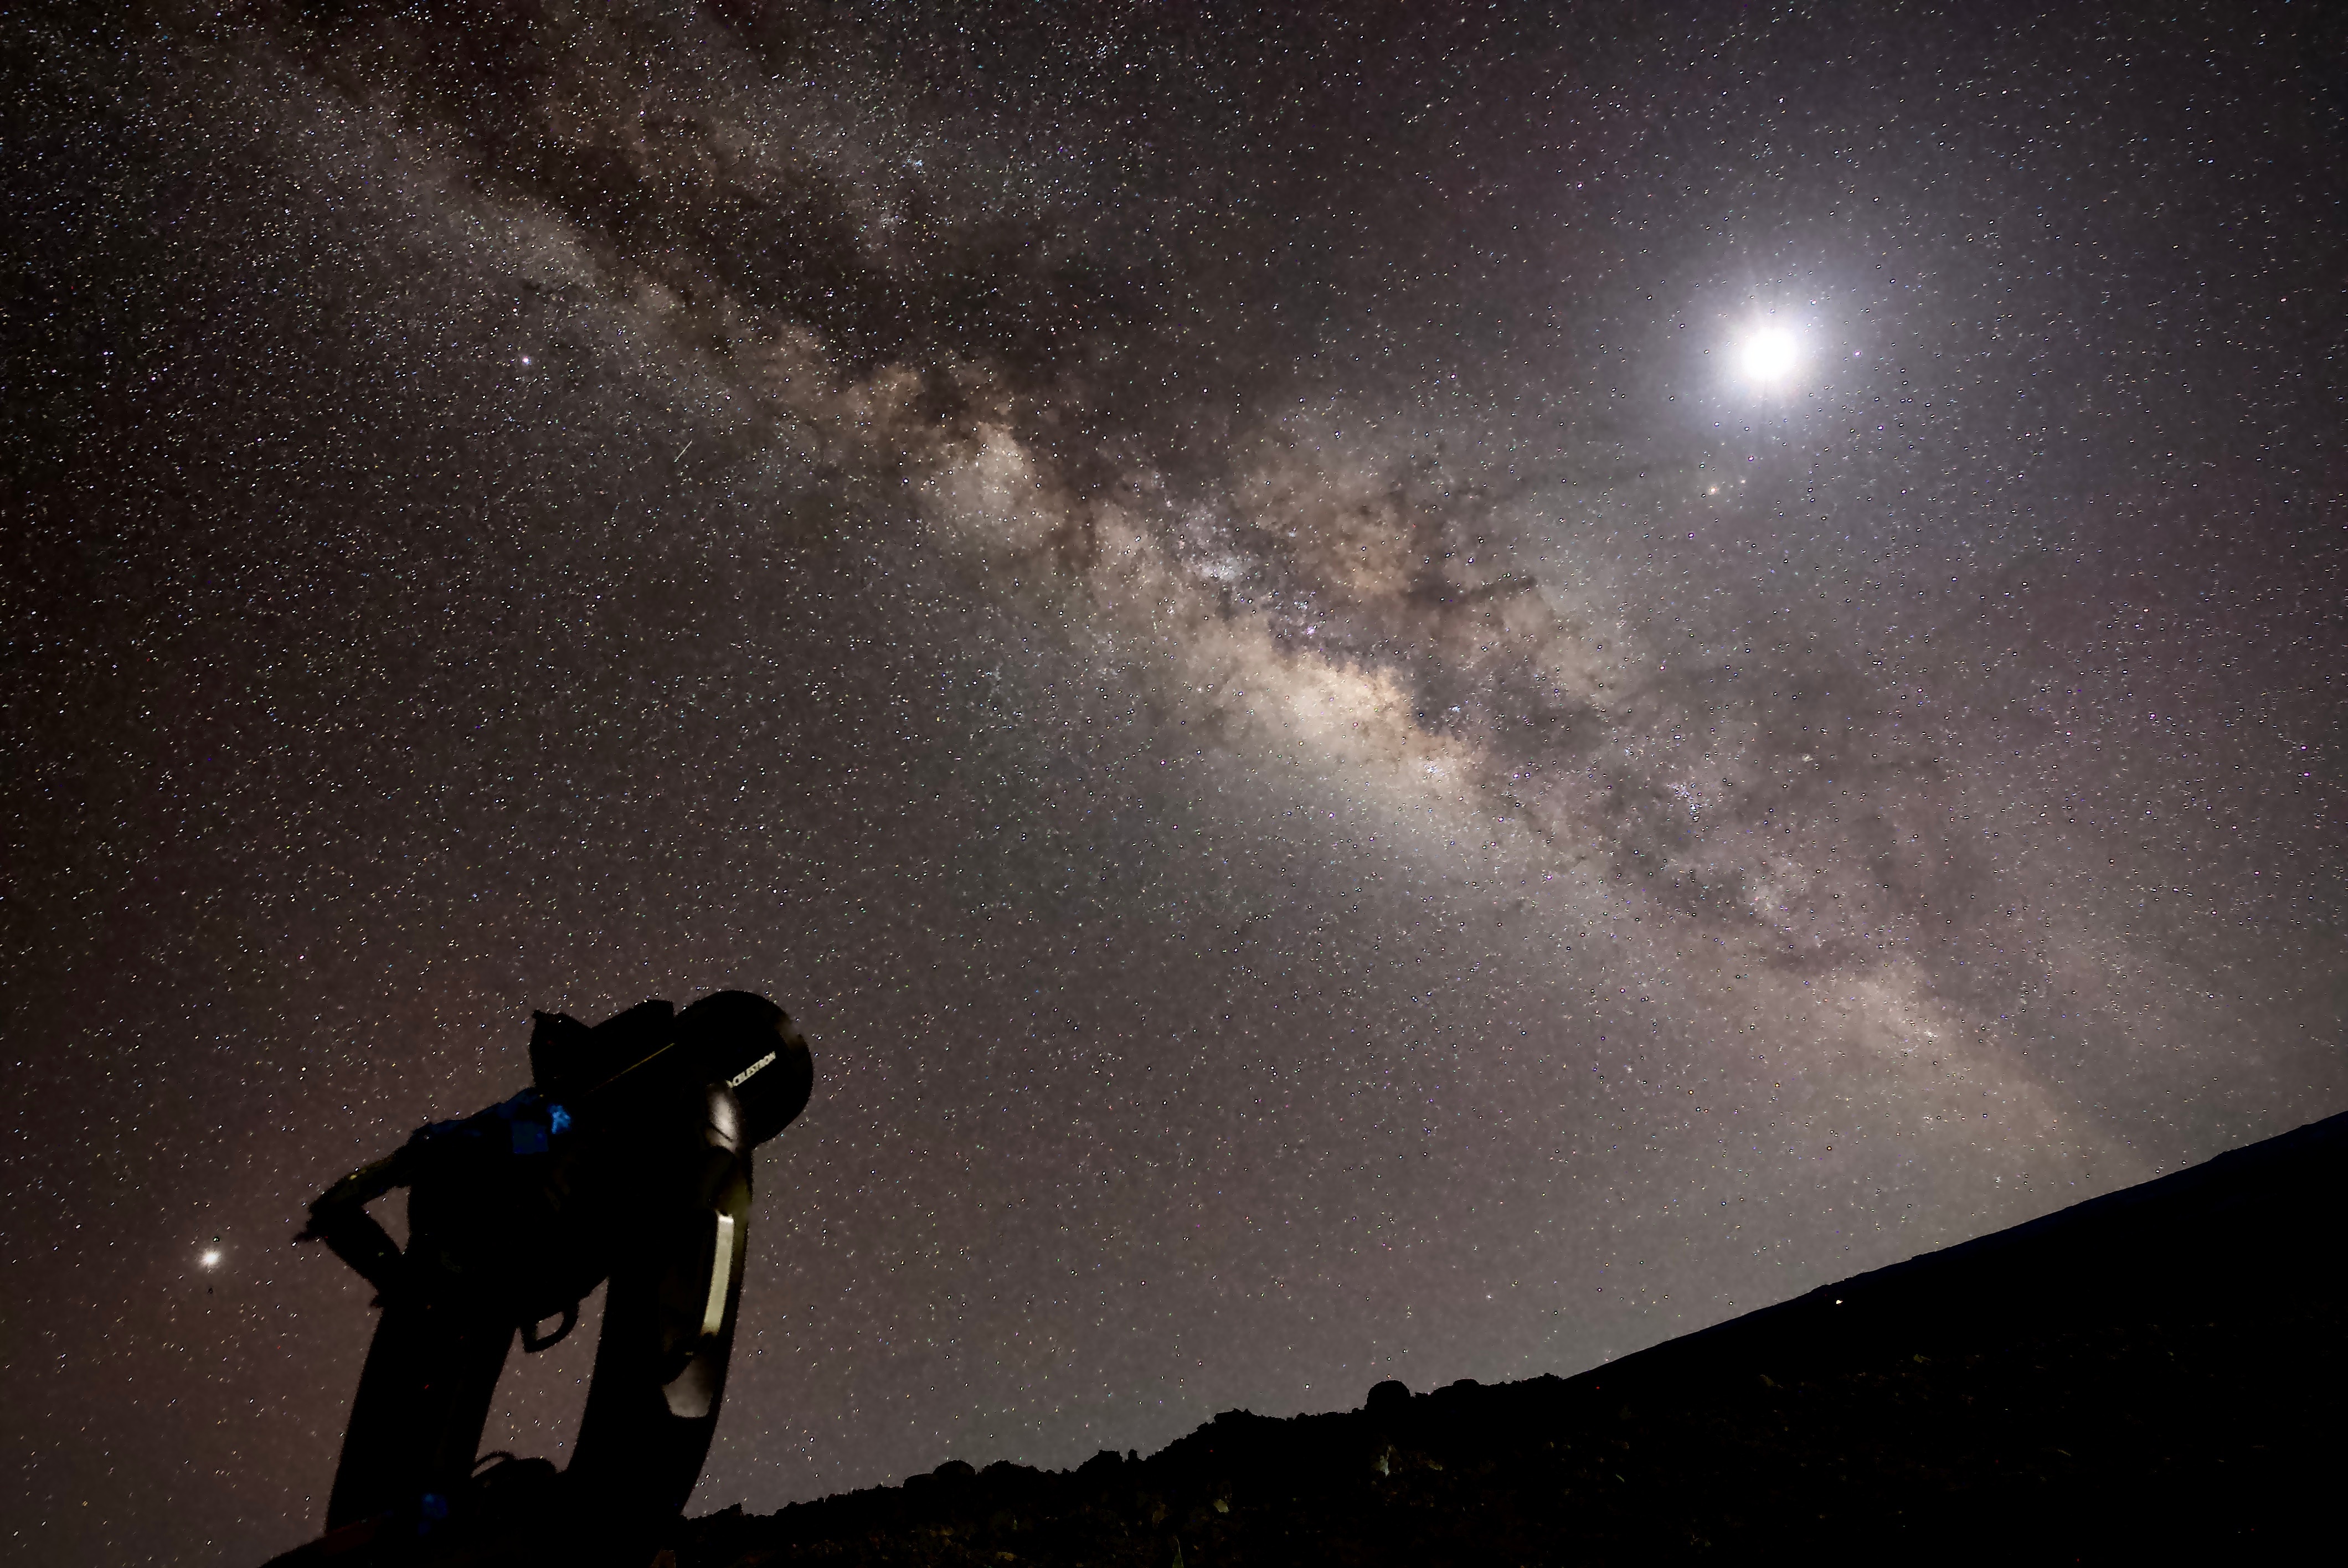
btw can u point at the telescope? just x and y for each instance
(628, 1159)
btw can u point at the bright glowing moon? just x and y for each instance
(1770, 355)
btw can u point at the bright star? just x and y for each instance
(210, 1259)
(1770, 355)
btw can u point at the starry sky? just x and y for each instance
(1431, 692)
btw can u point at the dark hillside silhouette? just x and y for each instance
(2153, 1372)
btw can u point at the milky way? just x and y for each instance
(1214, 605)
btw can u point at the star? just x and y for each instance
(1184, 663)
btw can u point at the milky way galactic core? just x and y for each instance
(1399, 695)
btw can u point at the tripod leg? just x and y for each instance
(668, 1327)
(422, 1402)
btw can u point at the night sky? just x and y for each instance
(1432, 694)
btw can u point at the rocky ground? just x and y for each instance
(2157, 1373)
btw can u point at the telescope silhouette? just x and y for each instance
(627, 1159)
